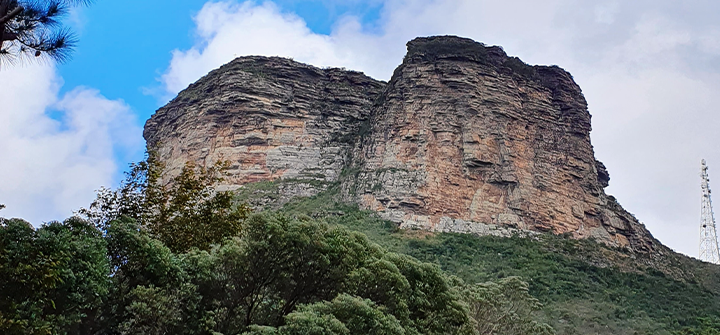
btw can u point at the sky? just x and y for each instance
(650, 70)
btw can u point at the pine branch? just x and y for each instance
(34, 28)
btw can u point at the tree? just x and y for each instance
(318, 279)
(279, 276)
(183, 212)
(504, 307)
(343, 315)
(276, 264)
(703, 326)
(145, 276)
(189, 213)
(31, 28)
(53, 280)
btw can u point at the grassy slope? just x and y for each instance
(586, 287)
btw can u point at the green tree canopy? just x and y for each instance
(280, 275)
(53, 280)
(343, 315)
(503, 307)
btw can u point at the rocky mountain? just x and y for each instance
(463, 138)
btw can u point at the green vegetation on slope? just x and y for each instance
(585, 287)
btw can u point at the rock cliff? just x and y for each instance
(270, 117)
(463, 139)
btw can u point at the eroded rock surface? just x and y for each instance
(272, 118)
(463, 138)
(464, 132)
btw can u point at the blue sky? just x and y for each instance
(125, 46)
(650, 70)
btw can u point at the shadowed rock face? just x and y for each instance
(463, 138)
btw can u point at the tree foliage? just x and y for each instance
(32, 28)
(343, 315)
(704, 326)
(280, 264)
(504, 307)
(53, 280)
(281, 275)
(184, 211)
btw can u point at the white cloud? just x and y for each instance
(649, 70)
(52, 166)
(227, 30)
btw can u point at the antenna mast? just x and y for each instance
(709, 250)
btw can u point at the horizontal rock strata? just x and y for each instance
(465, 132)
(271, 118)
(462, 139)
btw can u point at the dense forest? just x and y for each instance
(182, 258)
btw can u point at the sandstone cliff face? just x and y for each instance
(270, 117)
(467, 139)
(463, 138)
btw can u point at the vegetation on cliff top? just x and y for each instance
(430, 49)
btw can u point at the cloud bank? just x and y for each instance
(55, 151)
(650, 71)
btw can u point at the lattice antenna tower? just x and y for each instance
(709, 250)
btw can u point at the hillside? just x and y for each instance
(586, 287)
(467, 158)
